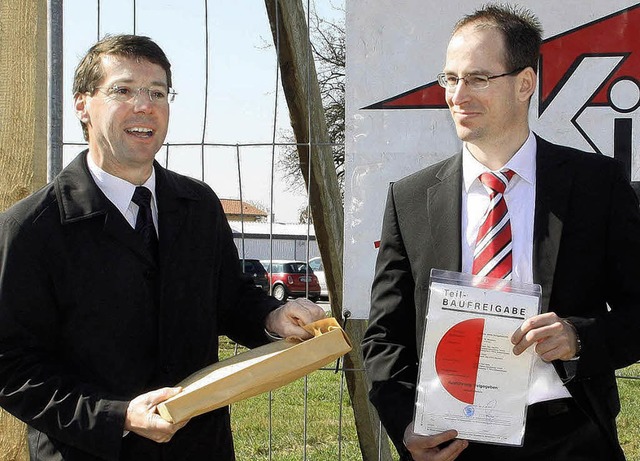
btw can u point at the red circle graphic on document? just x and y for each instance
(457, 358)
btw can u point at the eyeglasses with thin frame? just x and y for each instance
(473, 81)
(123, 93)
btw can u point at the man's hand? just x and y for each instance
(287, 320)
(143, 419)
(426, 447)
(554, 338)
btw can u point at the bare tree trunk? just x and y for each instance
(300, 83)
(23, 136)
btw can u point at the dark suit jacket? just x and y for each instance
(88, 321)
(586, 254)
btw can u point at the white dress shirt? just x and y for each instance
(120, 192)
(519, 196)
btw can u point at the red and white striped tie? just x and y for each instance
(492, 256)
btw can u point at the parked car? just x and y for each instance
(255, 269)
(318, 269)
(290, 278)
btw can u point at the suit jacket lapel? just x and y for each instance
(444, 202)
(553, 184)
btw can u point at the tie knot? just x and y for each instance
(142, 197)
(497, 182)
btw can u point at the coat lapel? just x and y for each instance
(81, 199)
(174, 207)
(77, 193)
(553, 184)
(172, 210)
(444, 202)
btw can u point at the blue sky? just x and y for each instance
(241, 89)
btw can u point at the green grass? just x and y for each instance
(629, 418)
(250, 419)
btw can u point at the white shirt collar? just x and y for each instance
(523, 163)
(117, 190)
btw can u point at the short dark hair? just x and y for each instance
(520, 28)
(89, 71)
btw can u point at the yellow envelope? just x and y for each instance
(256, 371)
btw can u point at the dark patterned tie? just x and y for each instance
(144, 221)
(492, 256)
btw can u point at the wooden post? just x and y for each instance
(23, 101)
(300, 83)
(23, 136)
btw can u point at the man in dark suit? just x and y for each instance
(574, 229)
(108, 297)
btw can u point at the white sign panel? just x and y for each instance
(588, 97)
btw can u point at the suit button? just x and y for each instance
(167, 368)
(149, 274)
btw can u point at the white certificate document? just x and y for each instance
(469, 379)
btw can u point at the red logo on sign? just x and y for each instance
(617, 35)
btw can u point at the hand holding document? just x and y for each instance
(470, 380)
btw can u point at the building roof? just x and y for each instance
(236, 207)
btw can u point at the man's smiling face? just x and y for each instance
(124, 136)
(487, 116)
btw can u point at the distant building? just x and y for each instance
(256, 238)
(263, 240)
(235, 210)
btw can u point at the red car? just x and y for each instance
(291, 278)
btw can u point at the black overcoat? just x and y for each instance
(88, 321)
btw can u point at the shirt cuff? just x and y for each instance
(272, 336)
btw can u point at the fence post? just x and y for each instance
(300, 83)
(23, 136)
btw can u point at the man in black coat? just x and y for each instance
(575, 231)
(97, 319)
